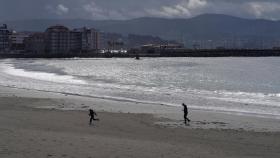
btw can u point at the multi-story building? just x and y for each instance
(35, 43)
(75, 41)
(61, 40)
(102, 42)
(90, 39)
(85, 43)
(17, 41)
(94, 39)
(57, 40)
(4, 38)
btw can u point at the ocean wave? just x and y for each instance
(270, 99)
(44, 76)
(114, 88)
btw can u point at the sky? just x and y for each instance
(129, 9)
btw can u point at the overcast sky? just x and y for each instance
(127, 9)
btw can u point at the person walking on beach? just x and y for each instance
(92, 114)
(186, 112)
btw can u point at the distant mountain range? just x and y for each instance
(203, 27)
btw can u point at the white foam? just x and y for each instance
(221, 100)
(43, 76)
(271, 99)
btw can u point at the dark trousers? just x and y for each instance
(92, 119)
(186, 118)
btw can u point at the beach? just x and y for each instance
(30, 127)
(154, 79)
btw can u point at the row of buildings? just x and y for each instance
(4, 38)
(55, 40)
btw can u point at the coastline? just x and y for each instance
(169, 116)
(200, 91)
(29, 131)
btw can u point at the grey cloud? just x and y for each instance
(98, 12)
(180, 9)
(60, 9)
(127, 9)
(264, 9)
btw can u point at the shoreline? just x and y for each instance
(239, 101)
(135, 102)
(172, 116)
(28, 130)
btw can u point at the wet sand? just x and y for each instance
(29, 131)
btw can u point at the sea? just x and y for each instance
(243, 86)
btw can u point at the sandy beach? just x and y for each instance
(33, 125)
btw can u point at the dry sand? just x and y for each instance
(27, 132)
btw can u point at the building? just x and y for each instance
(35, 44)
(57, 40)
(16, 40)
(93, 39)
(156, 49)
(75, 41)
(150, 49)
(102, 42)
(4, 38)
(171, 46)
(60, 40)
(90, 39)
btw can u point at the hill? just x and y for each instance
(205, 27)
